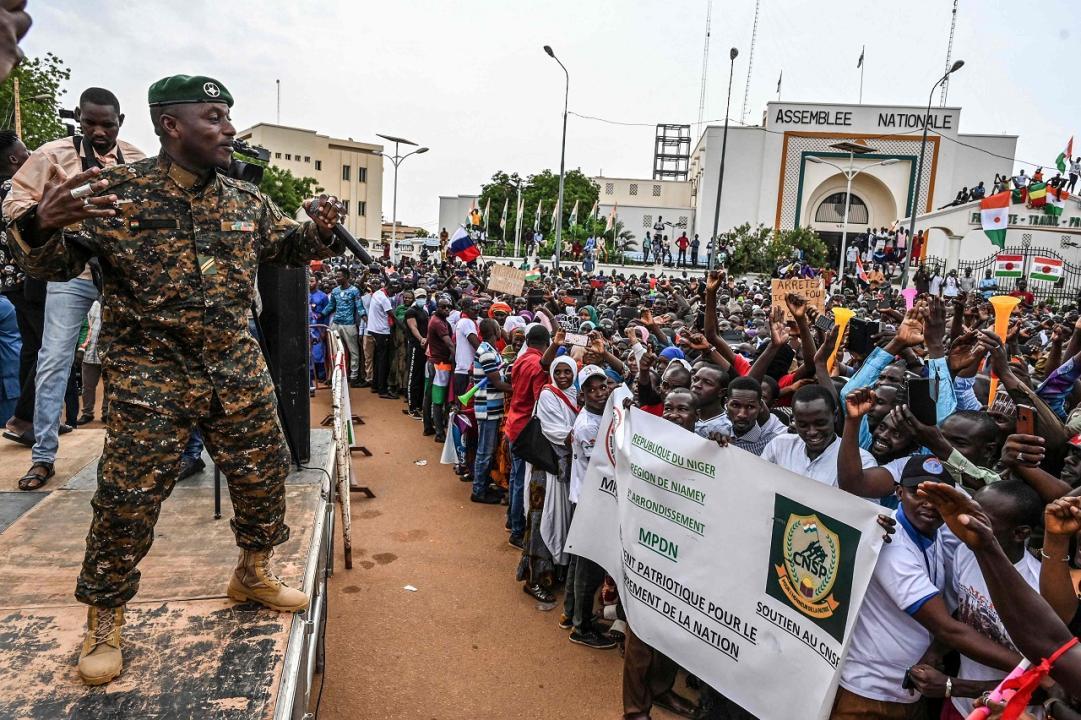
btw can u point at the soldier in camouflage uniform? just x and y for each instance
(179, 245)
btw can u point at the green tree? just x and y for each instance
(747, 248)
(543, 186)
(40, 79)
(287, 190)
(805, 239)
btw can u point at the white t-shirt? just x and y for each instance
(463, 351)
(366, 302)
(851, 253)
(936, 284)
(886, 640)
(975, 609)
(790, 452)
(377, 313)
(586, 427)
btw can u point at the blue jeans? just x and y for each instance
(194, 449)
(66, 306)
(515, 506)
(487, 439)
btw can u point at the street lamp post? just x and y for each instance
(396, 159)
(562, 157)
(919, 176)
(724, 148)
(849, 174)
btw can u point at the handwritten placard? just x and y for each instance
(506, 279)
(810, 288)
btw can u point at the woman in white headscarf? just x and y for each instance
(548, 507)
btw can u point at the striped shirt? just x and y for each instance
(487, 402)
(753, 441)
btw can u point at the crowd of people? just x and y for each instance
(977, 490)
(717, 356)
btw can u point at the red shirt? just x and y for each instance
(438, 350)
(741, 365)
(526, 382)
(682, 242)
(1026, 297)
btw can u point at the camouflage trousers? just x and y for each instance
(139, 467)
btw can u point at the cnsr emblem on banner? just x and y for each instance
(811, 564)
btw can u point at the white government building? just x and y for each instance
(787, 172)
(772, 177)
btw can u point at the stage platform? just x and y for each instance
(189, 651)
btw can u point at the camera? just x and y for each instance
(249, 162)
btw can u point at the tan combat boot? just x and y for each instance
(254, 580)
(100, 660)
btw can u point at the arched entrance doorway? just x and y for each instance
(871, 205)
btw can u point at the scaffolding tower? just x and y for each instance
(671, 152)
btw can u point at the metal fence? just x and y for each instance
(1064, 290)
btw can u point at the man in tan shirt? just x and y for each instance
(67, 303)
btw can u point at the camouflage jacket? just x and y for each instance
(178, 262)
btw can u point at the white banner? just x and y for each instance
(747, 575)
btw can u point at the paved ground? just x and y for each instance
(468, 643)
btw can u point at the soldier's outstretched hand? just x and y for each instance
(68, 200)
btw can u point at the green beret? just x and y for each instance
(188, 89)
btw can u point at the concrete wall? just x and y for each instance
(639, 220)
(641, 192)
(453, 211)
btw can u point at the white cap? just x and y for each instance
(587, 372)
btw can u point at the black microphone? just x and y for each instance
(341, 233)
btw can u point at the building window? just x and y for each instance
(656, 191)
(832, 210)
(683, 221)
(362, 174)
(345, 173)
(647, 221)
(278, 155)
(307, 158)
(288, 156)
(609, 188)
(318, 164)
(362, 208)
(634, 189)
(345, 207)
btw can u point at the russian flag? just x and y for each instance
(461, 245)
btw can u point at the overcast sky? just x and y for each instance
(469, 78)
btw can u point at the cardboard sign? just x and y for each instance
(810, 288)
(506, 279)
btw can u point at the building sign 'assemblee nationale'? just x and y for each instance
(843, 118)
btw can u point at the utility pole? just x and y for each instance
(949, 56)
(750, 64)
(705, 70)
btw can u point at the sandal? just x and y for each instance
(24, 438)
(33, 480)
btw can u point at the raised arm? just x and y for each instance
(1060, 523)
(852, 477)
(551, 352)
(778, 337)
(1030, 621)
(797, 305)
